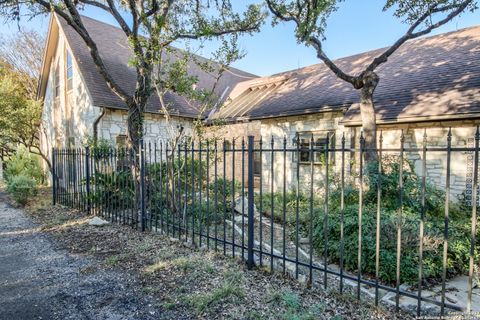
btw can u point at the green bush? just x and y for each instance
(112, 190)
(304, 216)
(459, 227)
(21, 188)
(25, 164)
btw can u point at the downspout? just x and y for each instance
(95, 125)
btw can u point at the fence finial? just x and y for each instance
(477, 133)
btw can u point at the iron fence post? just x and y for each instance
(251, 218)
(54, 185)
(87, 176)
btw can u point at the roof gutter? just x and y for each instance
(391, 121)
(296, 113)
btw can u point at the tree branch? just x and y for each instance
(317, 44)
(411, 34)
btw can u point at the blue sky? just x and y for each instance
(356, 27)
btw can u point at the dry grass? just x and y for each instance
(195, 284)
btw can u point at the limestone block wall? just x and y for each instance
(463, 135)
(67, 118)
(461, 170)
(156, 128)
(233, 132)
(285, 167)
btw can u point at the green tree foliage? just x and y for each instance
(20, 115)
(26, 164)
(152, 28)
(23, 51)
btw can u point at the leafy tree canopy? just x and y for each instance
(20, 115)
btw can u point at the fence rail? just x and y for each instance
(318, 212)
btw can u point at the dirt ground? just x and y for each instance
(53, 265)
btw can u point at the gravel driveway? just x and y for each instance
(39, 281)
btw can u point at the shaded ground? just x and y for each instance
(67, 269)
(38, 281)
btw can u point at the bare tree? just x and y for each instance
(173, 75)
(421, 16)
(23, 50)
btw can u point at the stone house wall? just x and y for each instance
(156, 128)
(66, 119)
(463, 135)
(289, 127)
(233, 135)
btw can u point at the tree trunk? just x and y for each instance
(136, 108)
(367, 109)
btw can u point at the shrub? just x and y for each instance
(25, 164)
(304, 214)
(113, 190)
(459, 227)
(21, 188)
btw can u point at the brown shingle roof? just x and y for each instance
(116, 53)
(426, 78)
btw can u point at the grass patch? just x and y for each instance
(227, 292)
(112, 260)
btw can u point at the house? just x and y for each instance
(428, 86)
(78, 104)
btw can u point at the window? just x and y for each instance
(121, 141)
(69, 71)
(56, 81)
(320, 140)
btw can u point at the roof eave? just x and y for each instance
(41, 86)
(178, 115)
(466, 116)
(294, 113)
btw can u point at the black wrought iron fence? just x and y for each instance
(389, 229)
